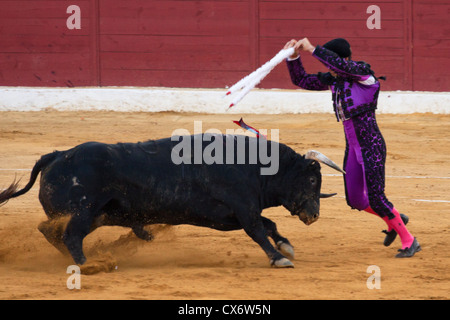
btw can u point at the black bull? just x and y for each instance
(136, 184)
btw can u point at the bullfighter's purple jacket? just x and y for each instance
(354, 91)
(355, 95)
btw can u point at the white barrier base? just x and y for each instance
(157, 99)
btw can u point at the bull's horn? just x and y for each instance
(327, 195)
(316, 155)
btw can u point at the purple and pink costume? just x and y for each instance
(355, 94)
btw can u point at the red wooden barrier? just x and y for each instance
(212, 44)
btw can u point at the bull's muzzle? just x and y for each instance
(309, 212)
(308, 218)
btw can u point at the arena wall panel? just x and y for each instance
(37, 49)
(212, 44)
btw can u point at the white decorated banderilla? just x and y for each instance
(243, 86)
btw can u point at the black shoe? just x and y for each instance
(409, 252)
(391, 235)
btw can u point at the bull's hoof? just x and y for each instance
(143, 234)
(282, 263)
(286, 249)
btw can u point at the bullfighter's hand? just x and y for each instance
(304, 45)
(290, 44)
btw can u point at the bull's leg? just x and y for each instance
(53, 231)
(283, 244)
(255, 229)
(78, 227)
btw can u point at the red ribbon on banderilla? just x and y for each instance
(242, 124)
(243, 86)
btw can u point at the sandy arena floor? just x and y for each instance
(186, 262)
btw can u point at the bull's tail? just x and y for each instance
(12, 192)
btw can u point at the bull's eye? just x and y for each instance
(313, 180)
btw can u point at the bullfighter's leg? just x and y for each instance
(283, 244)
(254, 227)
(371, 198)
(365, 162)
